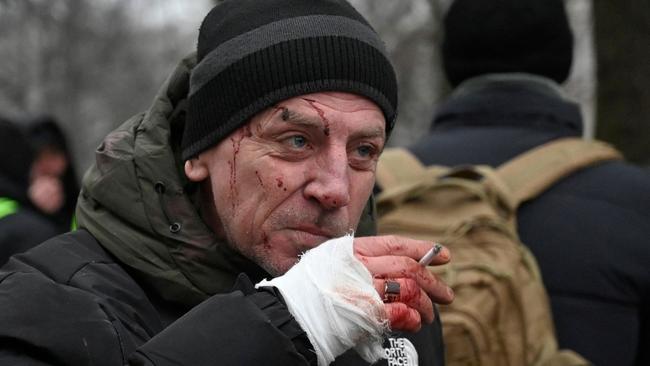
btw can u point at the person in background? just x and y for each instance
(219, 226)
(21, 227)
(53, 182)
(590, 232)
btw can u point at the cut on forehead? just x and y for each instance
(289, 115)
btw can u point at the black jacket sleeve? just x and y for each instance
(56, 325)
(244, 327)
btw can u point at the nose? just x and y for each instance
(329, 182)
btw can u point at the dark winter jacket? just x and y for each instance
(144, 281)
(590, 232)
(21, 227)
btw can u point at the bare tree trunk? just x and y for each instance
(623, 53)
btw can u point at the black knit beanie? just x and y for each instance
(253, 54)
(492, 36)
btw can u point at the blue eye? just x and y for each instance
(298, 141)
(365, 150)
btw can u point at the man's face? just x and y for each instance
(296, 175)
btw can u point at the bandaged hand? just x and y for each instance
(335, 293)
(395, 259)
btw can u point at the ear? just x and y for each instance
(196, 170)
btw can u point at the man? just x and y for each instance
(21, 227)
(590, 231)
(266, 152)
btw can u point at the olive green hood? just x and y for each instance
(135, 202)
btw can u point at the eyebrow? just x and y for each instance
(296, 118)
(293, 117)
(372, 132)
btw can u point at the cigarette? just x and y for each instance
(426, 258)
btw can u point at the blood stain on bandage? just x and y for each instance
(362, 300)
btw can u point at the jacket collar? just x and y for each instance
(531, 82)
(509, 99)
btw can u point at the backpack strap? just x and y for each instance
(398, 166)
(532, 172)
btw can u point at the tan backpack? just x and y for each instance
(501, 315)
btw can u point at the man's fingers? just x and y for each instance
(404, 267)
(402, 317)
(408, 293)
(376, 246)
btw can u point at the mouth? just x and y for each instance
(311, 236)
(314, 230)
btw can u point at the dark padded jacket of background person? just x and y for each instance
(21, 227)
(590, 232)
(138, 312)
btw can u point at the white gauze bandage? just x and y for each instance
(331, 295)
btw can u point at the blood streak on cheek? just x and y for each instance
(236, 145)
(233, 185)
(321, 114)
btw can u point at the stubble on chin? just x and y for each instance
(276, 252)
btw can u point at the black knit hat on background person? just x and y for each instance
(252, 54)
(495, 36)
